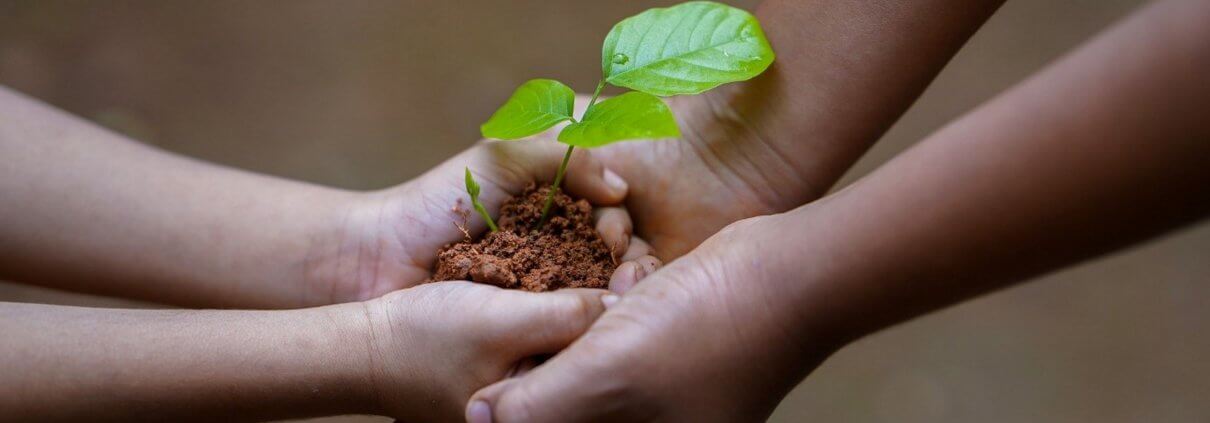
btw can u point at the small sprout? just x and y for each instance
(705, 44)
(472, 188)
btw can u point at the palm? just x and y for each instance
(389, 239)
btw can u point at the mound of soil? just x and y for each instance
(567, 252)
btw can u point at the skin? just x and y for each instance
(1103, 149)
(845, 71)
(416, 354)
(91, 211)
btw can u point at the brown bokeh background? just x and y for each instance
(366, 94)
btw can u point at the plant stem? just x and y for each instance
(595, 94)
(486, 217)
(554, 187)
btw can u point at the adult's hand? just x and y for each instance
(1026, 184)
(845, 70)
(700, 340)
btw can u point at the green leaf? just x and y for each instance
(536, 106)
(685, 49)
(628, 116)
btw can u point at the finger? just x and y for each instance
(563, 389)
(650, 264)
(588, 178)
(638, 248)
(625, 277)
(543, 323)
(613, 223)
(630, 273)
(508, 167)
(478, 410)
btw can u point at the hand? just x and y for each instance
(433, 345)
(696, 341)
(388, 240)
(721, 171)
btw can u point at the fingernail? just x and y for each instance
(609, 300)
(614, 181)
(479, 412)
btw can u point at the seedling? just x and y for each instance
(684, 49)
(472, 188)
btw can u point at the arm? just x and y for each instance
(416, 354)
(66, 363)
(88, 210)
(1105, 148)
(845, 71)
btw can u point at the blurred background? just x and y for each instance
(366, 94)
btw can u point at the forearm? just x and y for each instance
(71, 364)
(1103, 149)
(845, 71)
(89, 210)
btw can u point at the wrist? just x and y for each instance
(265, 249)
(348, 360)
(784, 271)
(336, 248)
(821, 279)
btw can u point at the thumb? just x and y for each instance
(588, 178)
(552, 323)
(523, 162)
(479, 409)
(545, 323)
(575, 385)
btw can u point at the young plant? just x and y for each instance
(684, 49)
(472, 188)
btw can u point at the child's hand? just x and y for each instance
(433, 345)
(389, 239)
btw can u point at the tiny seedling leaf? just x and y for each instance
(472, 188)
(685, 49)
(628, 116)
(536, 106)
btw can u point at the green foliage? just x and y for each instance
(685, 49)
(628, 116)
(536, 106)
(472, 188)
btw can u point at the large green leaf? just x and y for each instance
(685, 49)
(628, 116)
(536, 106)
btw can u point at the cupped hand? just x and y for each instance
(388, 240)
(723, 169)
(699, 340)
(433, 345)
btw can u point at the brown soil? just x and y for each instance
(567, 252)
